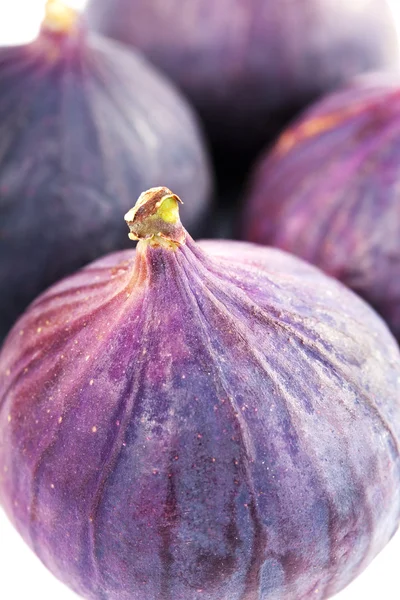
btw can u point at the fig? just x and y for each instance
(248, 64)
(189, 421)
(328, 191)
(84, 124)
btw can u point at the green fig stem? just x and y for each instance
(59, 17)
(155, 219)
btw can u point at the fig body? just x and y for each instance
(191, 421)
(83, 122)
(248, 64)
(328, 191)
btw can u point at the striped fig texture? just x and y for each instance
(218, 421)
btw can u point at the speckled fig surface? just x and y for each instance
(329, 191)
(85, 126)
(246, 64)
(211, 421)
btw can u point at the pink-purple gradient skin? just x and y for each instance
(219, 422)
(245, 62)
(329, 191)
(85, 126)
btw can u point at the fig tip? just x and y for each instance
(59, 17)
(155, 218)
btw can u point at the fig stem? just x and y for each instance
(59, 17)
(155, 219)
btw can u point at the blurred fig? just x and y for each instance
(249, 64)
(85, 125)
(212, 421)
(329, 191)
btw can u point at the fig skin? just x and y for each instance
(211, 421)
(85, 126)
(248, 65)
(328, 191)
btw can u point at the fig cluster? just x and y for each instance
(214, 419)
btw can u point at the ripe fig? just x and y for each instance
(209, 421)
(329, 191)
(83, 122)
(248, 64)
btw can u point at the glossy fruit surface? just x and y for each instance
(212, 420)
(84, 124)
(247, 64)
(329, 191)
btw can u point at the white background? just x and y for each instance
(22, 576)
(20, 19)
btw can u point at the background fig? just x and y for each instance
(209, 421)
(83, 122)
(248, 64)
(329, 191)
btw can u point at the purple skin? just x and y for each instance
(329, 191)
(85, 126)
(212, 421)
(246, 63)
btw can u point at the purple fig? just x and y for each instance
(329, 191)
(212, 421)
(84, 124)
(247, 64)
